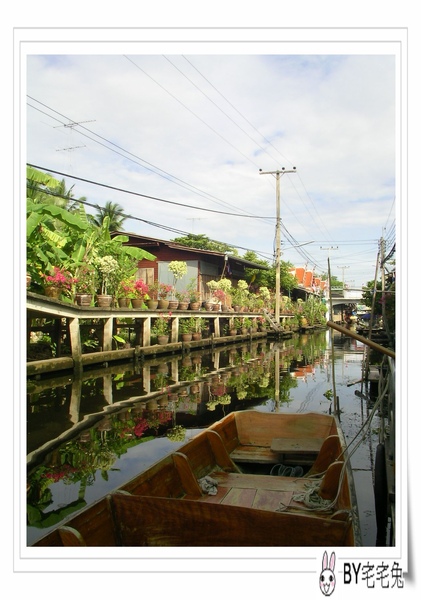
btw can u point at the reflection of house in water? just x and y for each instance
(303, 372)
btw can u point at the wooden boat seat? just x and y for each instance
(254, 454)
(70, 536)
(296, 440)
(265, 492)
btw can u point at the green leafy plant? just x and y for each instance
(161, 325)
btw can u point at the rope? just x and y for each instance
(311, 498)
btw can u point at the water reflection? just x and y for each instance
(90, 435)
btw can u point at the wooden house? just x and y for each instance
(202, 265)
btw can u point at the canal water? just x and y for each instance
(87, 436)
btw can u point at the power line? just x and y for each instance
(128, 156)
(117, 189)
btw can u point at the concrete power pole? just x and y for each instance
(278, 175)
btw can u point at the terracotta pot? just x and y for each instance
(183, 305)
(173, 305)
(194, 305)
(83, 299)
(197, 335)
(186, 337)
(137, 302)
(209, 306)
(163, 339)
(53, 291)
(163, 303)
(152, 304)
(104, 300)
(123, 302)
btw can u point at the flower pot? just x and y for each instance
(152, 304)
(186, 337)
(123, 302)
(83, 299)
(52, 291)
(173, 305)
(233, 332)
(183, 305)
(194, 305)
(163, 339)
(209, 306)
(104, 300)
(137, 302)
(28, 281)
(197, 335)
(163, 303)
(215, 307)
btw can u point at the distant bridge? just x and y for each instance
(347, 296)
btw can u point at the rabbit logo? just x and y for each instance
(327, 579)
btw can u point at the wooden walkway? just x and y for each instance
(67, 319)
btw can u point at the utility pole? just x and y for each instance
(343, 276)
(329, 279)
(278, 236)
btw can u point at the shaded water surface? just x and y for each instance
(86, 437)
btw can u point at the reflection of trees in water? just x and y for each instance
(245, 373)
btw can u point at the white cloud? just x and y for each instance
(195, 129)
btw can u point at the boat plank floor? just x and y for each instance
(261, 482)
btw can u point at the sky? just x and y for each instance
(188, 142)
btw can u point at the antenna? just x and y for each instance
(69, 149)
(72, 124)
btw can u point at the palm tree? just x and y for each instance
(114, 211)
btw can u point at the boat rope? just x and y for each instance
(311, 498)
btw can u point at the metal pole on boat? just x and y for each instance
(335, 398)
(278, 237)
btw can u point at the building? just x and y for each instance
(202, 265)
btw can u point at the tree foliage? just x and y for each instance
(202, 242)
(56, 236)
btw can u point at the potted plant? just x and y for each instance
(161, 328)
(59, 281)
(246, 324)
(220, 289)
(86, 281)
(152, 299)
(125, 292)
(200, 324)
(186, 328)
(178, 268)
(183, 299)
(107, 268)
(239, 295)
(163, 291)
(194, 295)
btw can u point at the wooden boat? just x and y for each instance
(222, 488)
